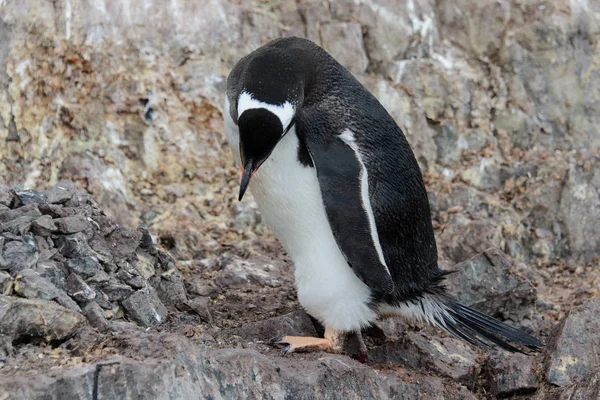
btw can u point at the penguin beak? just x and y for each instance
(247, 173)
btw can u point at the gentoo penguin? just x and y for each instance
(336, 180)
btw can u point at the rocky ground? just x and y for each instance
(90, 309)
(115, 108)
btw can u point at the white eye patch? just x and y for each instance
(285, 112)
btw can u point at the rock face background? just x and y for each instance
(499, 99)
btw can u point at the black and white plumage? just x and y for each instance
(337, 181)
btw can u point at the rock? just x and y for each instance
(145, 307)
(18, 255)
(30, 210)
(296, 323)
(54, 271)
(60, 193)
(130, 276)
(81, 198)
(6, 197)
(31, 285)
(86, 266)
(74, 224)
(43, 226)
(79, 290)
(446, 356)
(239, 272)
(170, 288)
(100, 247)
(95, 316)
(345, 43)
(31, 197)
(200, 305)
(117, 291)
(216, 374)
(144, 264)
(6, 283)
(74, 246)
(574, 349)
(488, 283)
(200, 287)
(588, 388)
(123, 242)
(511, 374)
(25, 319)
(246, 214)
(17, 226)
(106, 224)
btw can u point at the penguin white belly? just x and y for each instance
(289, 198)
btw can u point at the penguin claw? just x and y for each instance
(277, 340)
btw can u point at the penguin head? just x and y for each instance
(261, 126)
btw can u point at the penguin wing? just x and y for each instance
(344, 187)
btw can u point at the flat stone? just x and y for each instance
(511, 374)
(574, 348)
(30, 210)
(31, 197)
(61, 192)
(123, 242)
(145, 308)
(17, 226)
(39, 319)
(99, 277)
(241, 272)
(43, 226)
(74, 224)
(31, 285)
(79, 290)
(54, 210)
(296, 323)
(117, 291)
(447, 356)
(18, 255)
(86, 266)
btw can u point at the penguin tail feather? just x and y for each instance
(473, 326)
(480, 329)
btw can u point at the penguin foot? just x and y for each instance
(296, 344)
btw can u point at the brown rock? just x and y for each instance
(510, 374)
(296, 323)
(39, 319)
(574, 349)
(446, 356)
(31, 285)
